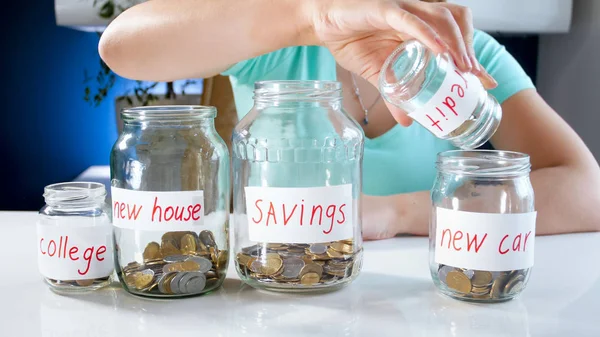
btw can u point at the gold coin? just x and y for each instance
(271, 266)
(334, 254)
(348, 241)
(222, 259)
(152, 251)
(480, 290)
(188, 265)
(498, 285)
(254, 265)
(243, 258)
(167, 283)
(168, 248)
(307, 259)
(312, 268)
(187, 244)
(342, 247)
(85, 283)
(213, 254)
(142, 279)
(310, 279)
(459, 282)
(481, 278)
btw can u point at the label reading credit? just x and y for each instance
(452, 104)
(160, 211)
(300, 215)
(485, 241)
(75, 253)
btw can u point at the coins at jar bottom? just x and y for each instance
(299, 265)
(482, 285)
(85, 283)
(184, 263)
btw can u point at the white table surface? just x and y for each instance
(393, 296)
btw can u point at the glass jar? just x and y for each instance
(75, 250)
(482, 233)
(170, 201)
(297, 160)
(449, 103)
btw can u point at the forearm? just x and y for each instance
(165, 40)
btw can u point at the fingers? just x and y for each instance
(399, 115)
(408, 23)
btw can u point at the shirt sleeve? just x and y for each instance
(503, 67)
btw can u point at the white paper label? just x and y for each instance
(300, 215)
(452, 104)
(75, 252)
(485, 241)
(160, 211)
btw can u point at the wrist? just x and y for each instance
(309, 11)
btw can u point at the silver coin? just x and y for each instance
(443, 272)
(317, 249)
(207, 238)
(292, 267)
(161, 283)
(204, 263)
(175, 283)
(196, 284)
(469, 273)
(175, 258)
(186, 278)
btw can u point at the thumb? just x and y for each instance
(399, 115)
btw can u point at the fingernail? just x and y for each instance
(467, 62)
(491, 79)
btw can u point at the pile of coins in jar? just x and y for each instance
(482, 285)
(298, 264)
(184, 263)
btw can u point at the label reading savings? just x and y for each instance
(299, 215)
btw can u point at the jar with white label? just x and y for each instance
(482, 233)
(449, 103)
(170, 201)
(74, 237)
(297, 183)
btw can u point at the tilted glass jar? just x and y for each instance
(482, 231)
(297, 160)
(170, 201)
(449, 103)
(75, 247)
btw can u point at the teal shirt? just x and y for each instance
(403, 159)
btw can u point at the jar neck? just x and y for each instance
(294, 94)
(181, 116)
(484, 164)
(75, 195)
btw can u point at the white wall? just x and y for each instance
(569, 72)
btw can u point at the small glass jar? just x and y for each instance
(297, 160)
(449, 103)
(75, 247)
(482, 233)
(170, 201)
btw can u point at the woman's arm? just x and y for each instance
(565, 176)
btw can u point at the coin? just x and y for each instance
(255, 265)
(480, 290)
(243, 258)
(161, 282)
(195, 284)
(342, 247)
(167, 283)
(310, 278)
(458, 281)
(187, 265)
(443, 272)
(207, 239)
(311, 268)
(188, 244)
(292, 267)
(271, 266)
(481, 278)
(168, 248)
(142, 279)
(515, 285)
(175, 258)
(203, 263)
(85, 283)
(175, 283)
(152, 251)
(498, 285)
(317, 249)
(222, 259)
(334, 254)
(252, 251)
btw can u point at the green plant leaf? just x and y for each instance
(107, 10)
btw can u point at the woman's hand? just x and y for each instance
(361, 34)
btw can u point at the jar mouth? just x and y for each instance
(169, 112)
(297, 90)
(484, 163)
(403, 66)
(74, 193)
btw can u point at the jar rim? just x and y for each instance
(484, 163)
(74, 193)
(312, 90)
(169, 112)
(408, 72)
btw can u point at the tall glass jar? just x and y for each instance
(449, 103)
(75, 248)
(170, 201)
(297, 160)
(482, 233)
